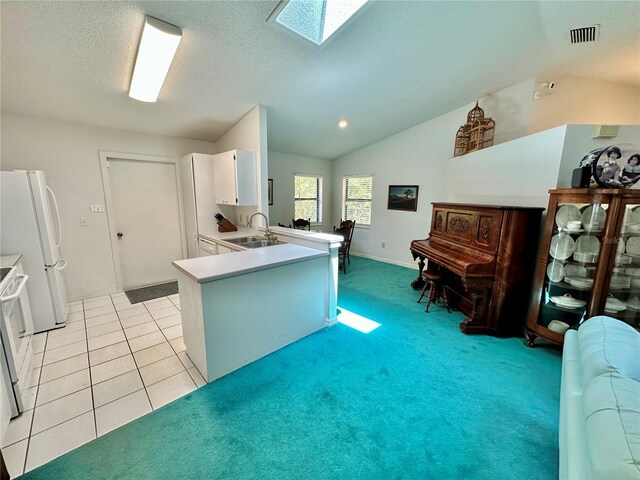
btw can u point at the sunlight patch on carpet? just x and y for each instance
(356, 321)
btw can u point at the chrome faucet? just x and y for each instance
(268, 235)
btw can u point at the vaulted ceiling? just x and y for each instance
(394, 65)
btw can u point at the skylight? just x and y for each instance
(315, 20)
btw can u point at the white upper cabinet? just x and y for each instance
(235, 178)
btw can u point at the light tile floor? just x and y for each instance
(112, 363)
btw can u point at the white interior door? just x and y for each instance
(146, 216)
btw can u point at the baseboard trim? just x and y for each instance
(93, 294)
(412, 266)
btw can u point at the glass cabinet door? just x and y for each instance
(623, 300)
(573, 256)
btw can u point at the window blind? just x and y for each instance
(356, 203)
(308, 197)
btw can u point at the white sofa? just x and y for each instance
(600, 402)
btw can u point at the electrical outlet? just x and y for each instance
(383, 244)
(240, 218)
(84, 222)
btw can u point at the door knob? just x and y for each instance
(119, 234)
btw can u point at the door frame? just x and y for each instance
(105, 156)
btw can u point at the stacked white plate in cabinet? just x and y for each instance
(555, 271)
(562, 246)
(620, 281)
(633, 247)
(634, 216)
(579, 282)
(575, 271)
(593, 218)
(565, 214)
(567, 301)
(587, 248)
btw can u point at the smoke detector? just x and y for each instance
(584, 34)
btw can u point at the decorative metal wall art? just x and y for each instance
(476, 134)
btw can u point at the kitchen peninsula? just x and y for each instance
(241, 306)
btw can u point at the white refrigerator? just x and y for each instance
(30, 225)
(196, 173)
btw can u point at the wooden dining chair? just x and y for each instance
(301, 224)
(343, 250)
(350, 225)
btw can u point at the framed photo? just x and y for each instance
(617, 166)
(270, 190)
(403, 197)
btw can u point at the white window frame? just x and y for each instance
(318, 199)
(344, 200)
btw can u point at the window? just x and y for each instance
(356, 195)
(308, 197)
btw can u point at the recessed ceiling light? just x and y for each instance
(158, 45)
(343, 123)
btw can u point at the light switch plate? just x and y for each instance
(97, 208)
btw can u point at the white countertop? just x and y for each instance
(216, 267)
(311, 236)
(10, 260)
(321, 238)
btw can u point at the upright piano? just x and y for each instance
(487, 254)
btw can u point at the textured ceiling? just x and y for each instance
(394, 65)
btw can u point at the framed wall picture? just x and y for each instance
(617, 166)
(403, 197)
(270, 190)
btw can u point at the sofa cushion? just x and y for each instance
(611, 404)
(608, 345)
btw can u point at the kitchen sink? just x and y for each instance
(253, 242)
(240, 240)
(261, 243)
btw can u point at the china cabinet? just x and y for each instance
(589, 261)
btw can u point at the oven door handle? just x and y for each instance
(23, 281)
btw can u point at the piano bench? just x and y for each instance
(435, 282)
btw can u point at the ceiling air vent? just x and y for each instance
(584, 34)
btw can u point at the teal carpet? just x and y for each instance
(414, 398)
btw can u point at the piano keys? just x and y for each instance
(487, 254)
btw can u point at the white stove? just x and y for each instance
(16, 330)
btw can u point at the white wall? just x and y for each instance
(282, 168)
(421, 156)
(576, 100)
(517, 173)
(68, 153)
(250, 133)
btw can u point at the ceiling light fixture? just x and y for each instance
(158, 45)
(343, 123)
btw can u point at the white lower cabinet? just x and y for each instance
(222, 249)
